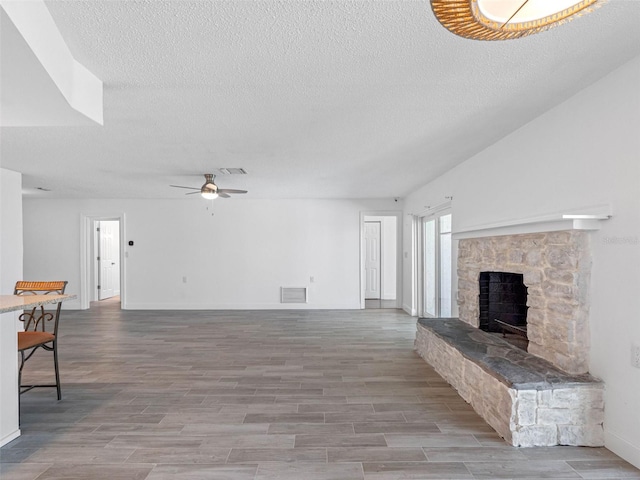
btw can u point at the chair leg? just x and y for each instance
(55, 365)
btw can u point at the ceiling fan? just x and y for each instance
(210, 190)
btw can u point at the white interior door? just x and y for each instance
(108, 259)
(372, 260)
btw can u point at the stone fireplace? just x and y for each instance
(556, 268)
(543, 396)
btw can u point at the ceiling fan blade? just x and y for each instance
(192, 193)
(180, 186)
(230, 190)
(223, 195)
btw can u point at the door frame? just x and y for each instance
(398, 217)
(419, 262)
(87, 236)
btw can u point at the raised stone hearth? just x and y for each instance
(528, 401)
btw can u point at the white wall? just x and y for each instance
(584, 152)
(10, 230)
(237, 258)
(388, 254)
(10, 272)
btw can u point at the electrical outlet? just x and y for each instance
(312, 279)
(184, 279)
(635, 355)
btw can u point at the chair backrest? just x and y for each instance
(37, 318)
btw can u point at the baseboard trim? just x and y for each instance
(234, 306)
(9, 437)
(409, 310)
(622, 448)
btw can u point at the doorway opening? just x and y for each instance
(102, 268)
(435, 265)
(380, 259)
(106, 267)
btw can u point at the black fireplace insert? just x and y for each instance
(503, 303)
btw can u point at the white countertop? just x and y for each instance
(10, 303)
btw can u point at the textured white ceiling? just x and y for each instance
(314, 98)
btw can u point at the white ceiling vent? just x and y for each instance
(232, 171)
(293, 295)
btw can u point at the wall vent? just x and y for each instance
(293, 294)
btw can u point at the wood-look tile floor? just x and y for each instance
(261, 395)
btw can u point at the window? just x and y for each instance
(435, 266)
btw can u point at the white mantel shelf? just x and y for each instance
(544, 223)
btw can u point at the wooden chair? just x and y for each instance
(40, 329)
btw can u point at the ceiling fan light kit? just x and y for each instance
(507, 19)
(209, 190)
(209, 194)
